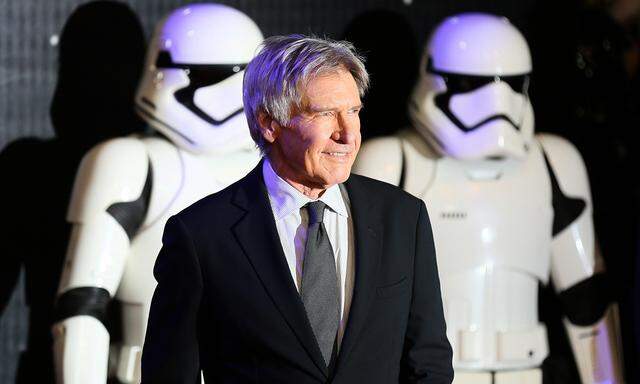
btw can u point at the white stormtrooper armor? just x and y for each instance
(126, 188)
(508, 209)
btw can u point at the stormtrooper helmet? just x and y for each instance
(471, 98)
(191, 89)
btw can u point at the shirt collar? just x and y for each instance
(285, 199)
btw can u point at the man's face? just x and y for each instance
(319, 146)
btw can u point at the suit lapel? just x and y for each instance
(368, 249)
(258, 237)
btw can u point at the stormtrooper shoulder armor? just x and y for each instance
(382, 159)
(115, 177)
(569, 181)
(567, 165)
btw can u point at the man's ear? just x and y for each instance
(269, 128)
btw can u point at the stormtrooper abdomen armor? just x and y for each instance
(490, 276)
(491, 222)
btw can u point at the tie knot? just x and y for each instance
(316, 211)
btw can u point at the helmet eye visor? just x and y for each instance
(200, 75)
(204, 74)
(460, 83)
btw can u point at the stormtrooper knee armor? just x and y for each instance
(509, 208)
(126, 188)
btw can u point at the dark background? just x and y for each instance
(67, 80)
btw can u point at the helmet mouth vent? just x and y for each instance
(442, 102)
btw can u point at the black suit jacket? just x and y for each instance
(226, 303)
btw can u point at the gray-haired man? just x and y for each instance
(300, 272)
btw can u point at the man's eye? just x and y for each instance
(326, 113)
(355, 111)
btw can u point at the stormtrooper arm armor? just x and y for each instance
(107, 208)
(577, 270)
(381, 159)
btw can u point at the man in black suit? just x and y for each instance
(300, 272)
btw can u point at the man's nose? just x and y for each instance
(347, 129)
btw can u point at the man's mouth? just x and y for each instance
(336, 154)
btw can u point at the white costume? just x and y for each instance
(126, 188)
(508, 209)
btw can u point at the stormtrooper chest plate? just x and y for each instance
(492, 227)
(492, 215)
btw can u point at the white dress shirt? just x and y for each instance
(292, 222)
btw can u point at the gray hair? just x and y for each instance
(274, 79)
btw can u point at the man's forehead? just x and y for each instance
(330, 90)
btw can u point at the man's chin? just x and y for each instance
(337, 177)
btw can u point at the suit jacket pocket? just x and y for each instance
(394, 289)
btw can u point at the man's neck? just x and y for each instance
(312, 192)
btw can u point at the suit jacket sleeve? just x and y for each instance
(170, 353)
(427, 353)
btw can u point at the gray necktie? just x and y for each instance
(319, 288)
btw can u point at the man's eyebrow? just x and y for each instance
(317, 108)
(320, 108)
